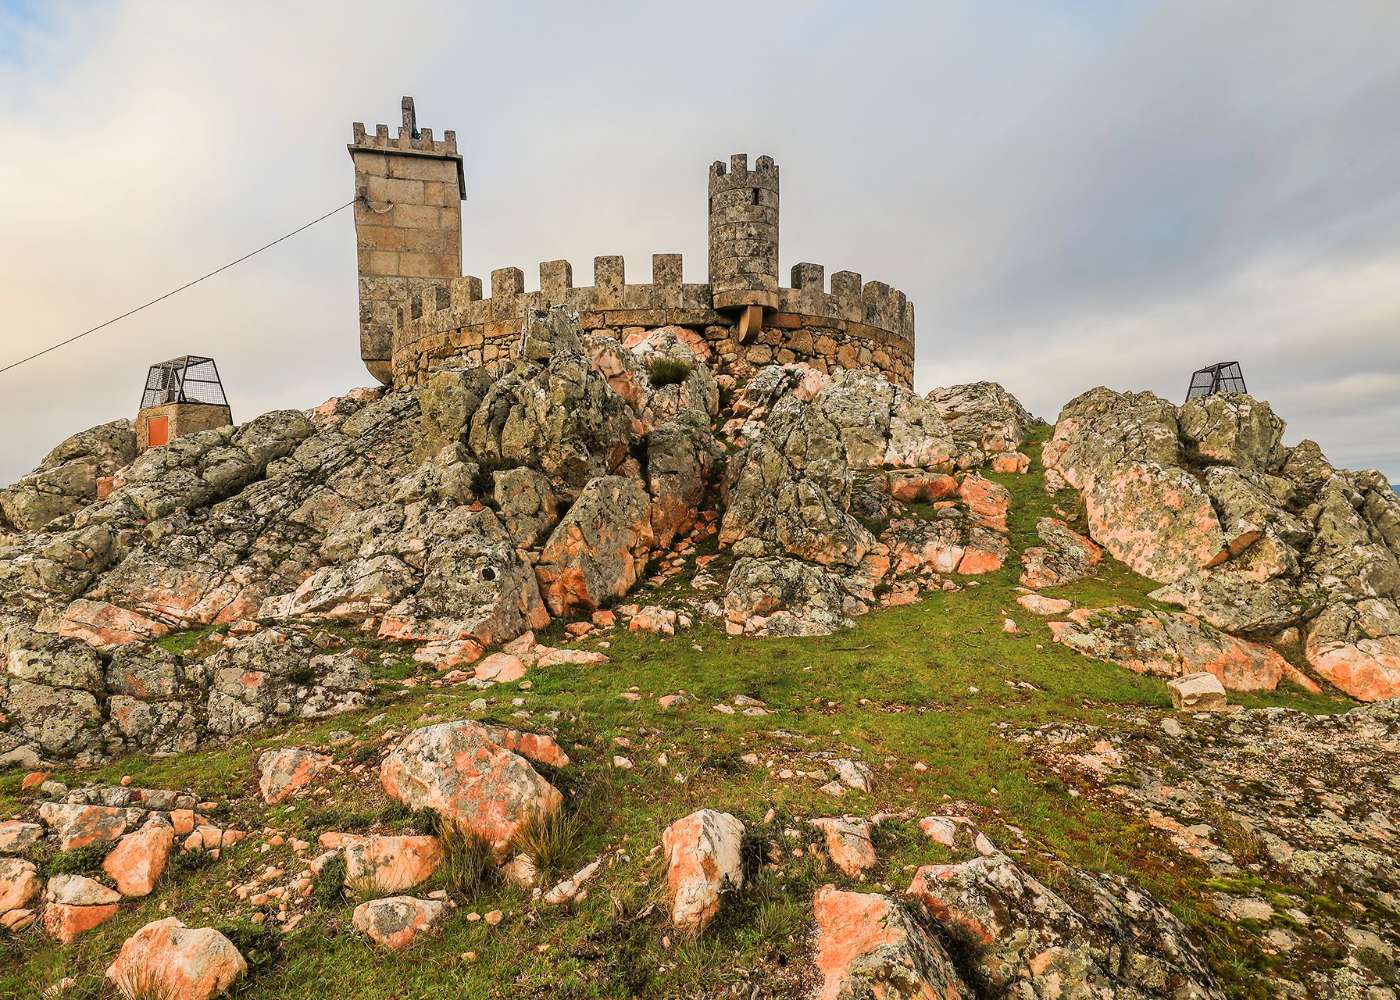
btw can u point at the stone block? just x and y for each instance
(1198, 692)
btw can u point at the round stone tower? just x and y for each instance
(744, 234)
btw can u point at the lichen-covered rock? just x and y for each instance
(166, 958)
(553, 412)
(1357, 648)
(949, 542)
(1233, 428)
(848, 843)
(786, 597)
(1276, 794)
(1165, 644)
(1154, 518)
(283, 773)
(390, 864)
(600, 547)
(984, 415)
(869, 948)
(397, 921)
(78, 825)
(1100, 428)
(475, 585)
(1065, 556)
(460, 771)
(681, 460)
(704, 860)
(526, 504)
(20, 884)
(138, 859)
(66, 480)
(277, 673)
(1023, 939)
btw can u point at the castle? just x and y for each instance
(418, 313)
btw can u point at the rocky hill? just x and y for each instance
(609, 676)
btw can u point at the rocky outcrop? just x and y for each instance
(1249, 535)
(1166, 644)
(869, 948)
(1024, 939)
(600, 548)
(66, 480)
(1155, 519)
(983, 415)
(1258, 797)
(1065, 556)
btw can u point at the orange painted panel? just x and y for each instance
(157, 432)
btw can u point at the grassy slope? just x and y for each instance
(925, 683)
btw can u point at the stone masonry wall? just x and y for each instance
(408, 224)
(854, 325)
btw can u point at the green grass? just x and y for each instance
(930, 683)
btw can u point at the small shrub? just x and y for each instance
(258, 944)
(668, 371)
(328, 888)
(466, 858)
(187, 862)
(549, 840)
(141, 982)
(79, 861)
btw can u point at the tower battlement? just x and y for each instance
(419, 313)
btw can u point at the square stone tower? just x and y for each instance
(408, 224)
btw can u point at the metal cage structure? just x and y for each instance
(184, 380)
(1222, 378)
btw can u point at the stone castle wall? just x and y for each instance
(417, 314)
(852, 325)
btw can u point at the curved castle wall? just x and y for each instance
(853, 325)
(418, 316)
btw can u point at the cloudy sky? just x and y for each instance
(1073, 193)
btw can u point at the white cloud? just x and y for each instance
(1070, 197)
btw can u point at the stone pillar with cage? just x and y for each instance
(182, 396)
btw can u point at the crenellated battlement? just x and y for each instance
(405, 141)
(466, 320)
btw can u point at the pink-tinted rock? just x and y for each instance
(703, 854)
(139, 858)
(1157, 520)
(65, 923)
(988, 501)
(79, 825)
(1010, 461)
(918, 485)
(848, 844)
(538, 747)
(283, 773)
(1358, 649)
(501, 668)
(462, 772)
(19, 883)
(101, 624)
(390, 864)
(396, 921)
(1167, 644)
(1040, 605)
(652, 620)
(17, 837)
(172, 960)
(868, 948)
